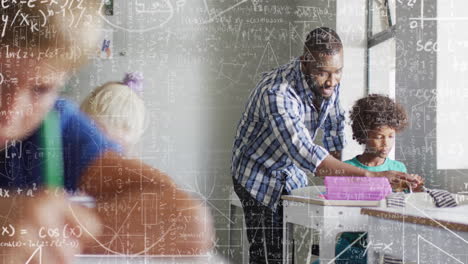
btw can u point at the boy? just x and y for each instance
(139, 210)
(375, 121)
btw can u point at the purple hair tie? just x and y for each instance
(134, 80)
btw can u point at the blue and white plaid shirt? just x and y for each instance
(274, 144)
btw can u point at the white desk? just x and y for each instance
(419, 235)
(302, 208)
(110, 259)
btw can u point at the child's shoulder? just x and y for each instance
(354, 161)
(70, 113)
(65, 106)
(396, 165)
(395, 162)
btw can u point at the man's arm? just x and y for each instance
(283, 114)
(333, 136)
(333, 167)
(143, 211)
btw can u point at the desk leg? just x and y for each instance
(288, 231)
(245, 243)
(232, 213)
(327, 246)
(371, 256)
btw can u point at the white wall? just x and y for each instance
(351, 26)
(452, 83)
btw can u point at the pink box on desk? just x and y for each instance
(356, 188)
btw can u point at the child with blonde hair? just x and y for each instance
(119, 110)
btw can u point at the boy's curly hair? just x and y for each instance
(373, 111)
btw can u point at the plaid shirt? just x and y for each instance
(274, 143)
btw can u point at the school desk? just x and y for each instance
(418, 235)
(331, 218)
(112, 259)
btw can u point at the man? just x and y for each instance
(274, 145)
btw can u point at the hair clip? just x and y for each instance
(134, 80)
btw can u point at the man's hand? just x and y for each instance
(419, 180)
(399, 179)
(48, 228)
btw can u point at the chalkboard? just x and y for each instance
(200, 60)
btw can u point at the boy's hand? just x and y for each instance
(397, 179)
(47, 226)
(420, 181)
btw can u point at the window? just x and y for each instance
(382, 68)
(381, 49)
(381, 15)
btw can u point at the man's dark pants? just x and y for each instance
(264, 228)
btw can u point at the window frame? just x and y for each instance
(376, 39)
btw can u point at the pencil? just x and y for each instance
(51, 142)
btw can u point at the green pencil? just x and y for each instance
(51, 142)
